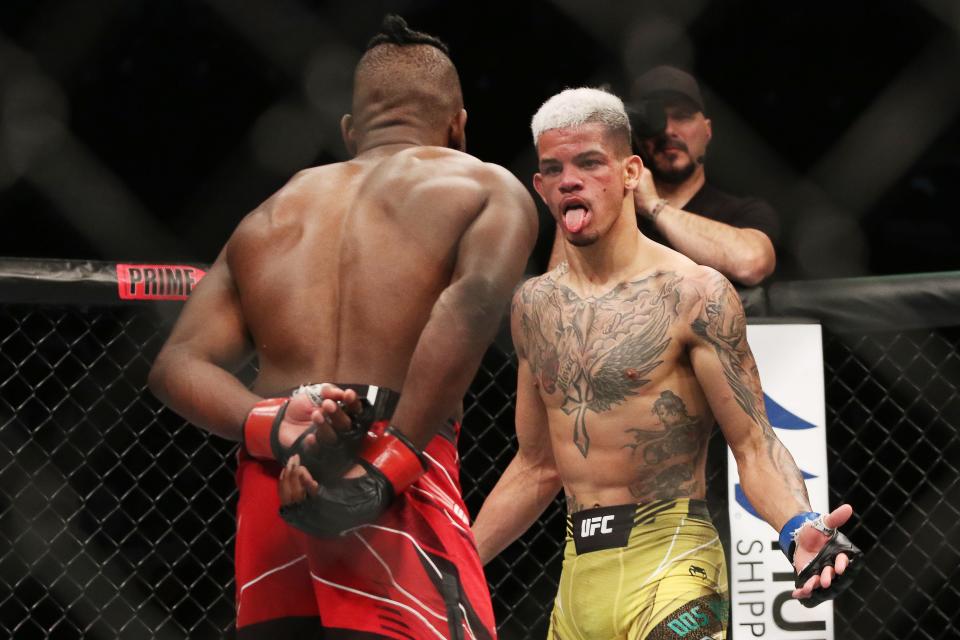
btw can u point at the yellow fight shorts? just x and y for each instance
(642, 572)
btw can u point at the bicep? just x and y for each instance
(533, 431)
(725, 367)
(736, 405)
(211, 324)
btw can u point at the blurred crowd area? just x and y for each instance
(145, 130)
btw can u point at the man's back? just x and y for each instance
(338, 272)
(391, 270)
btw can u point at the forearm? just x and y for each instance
(743, 255)
(772, 482)
(203, 393)
(462, 324)
(519, 497)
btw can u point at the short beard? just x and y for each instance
(674, 176)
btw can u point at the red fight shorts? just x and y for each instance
(413, 574)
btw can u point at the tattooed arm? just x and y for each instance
(727, 372)
(531, 481)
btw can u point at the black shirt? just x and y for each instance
(710, 202)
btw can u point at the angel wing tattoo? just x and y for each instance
(597, 351)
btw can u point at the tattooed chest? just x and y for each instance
(607, 345)
(588, 350)
(596, 352)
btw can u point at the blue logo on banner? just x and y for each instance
(742, 497)
(783, 419)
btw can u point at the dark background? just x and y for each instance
(146, 130)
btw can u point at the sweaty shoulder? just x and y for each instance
(280, 216)
(704, 291)
(546, 283)
(706, 279)
(426, 175)
(536, 298)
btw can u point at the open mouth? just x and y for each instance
(575, 216)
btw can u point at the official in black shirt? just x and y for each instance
(676, 205)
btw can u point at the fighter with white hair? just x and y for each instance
(628, 354)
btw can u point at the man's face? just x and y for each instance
(582, 180)
(675, 154)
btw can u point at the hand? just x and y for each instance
(809, 543)
(327, 407)
(645, 196)
(322, 423)
(389, 463)
(295, 482)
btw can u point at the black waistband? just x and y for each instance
(609, 527)
(382, 401)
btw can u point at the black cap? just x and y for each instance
(664, 80)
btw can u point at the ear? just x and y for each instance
(457, 133)
(538, 186)
(632, 168)
(346, 131)
(709, 126)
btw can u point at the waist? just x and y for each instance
(611, 527)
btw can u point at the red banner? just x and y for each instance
(157, 281)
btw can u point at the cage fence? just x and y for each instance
(117, 517)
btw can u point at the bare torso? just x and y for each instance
(628, 420)
(338, 272)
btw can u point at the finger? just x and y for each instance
(324, 430)
(331, 391)
(838, 517)
(307, 482)
(303, 477)
(352, 401)
(807, 589)
(826, 577)
(812, 584)
(321, 415)
(337, 417)
(841, 563)
(284, 488)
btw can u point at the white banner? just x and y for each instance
(790, 360)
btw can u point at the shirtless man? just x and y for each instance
(628, 352)
(390, 270)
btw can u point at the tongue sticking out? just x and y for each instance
(573, 219)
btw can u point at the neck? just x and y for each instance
(611, 258)
(679, 194)
(400, 134)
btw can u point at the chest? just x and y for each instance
(604, 347)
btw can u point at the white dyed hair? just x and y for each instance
(575, 107)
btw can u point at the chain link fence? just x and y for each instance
(116, 517)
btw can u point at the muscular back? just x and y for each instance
(338, 272)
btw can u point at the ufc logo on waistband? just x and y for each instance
(589, 526)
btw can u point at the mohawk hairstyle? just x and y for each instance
(394, 30)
